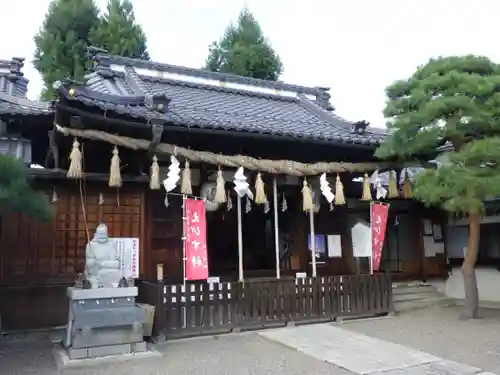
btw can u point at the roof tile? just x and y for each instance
(308, 115)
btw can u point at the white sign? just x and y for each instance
(361, 240)
(334, 245)
(127, 251)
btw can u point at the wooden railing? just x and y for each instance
(202, 309)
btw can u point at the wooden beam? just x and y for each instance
(60, 174)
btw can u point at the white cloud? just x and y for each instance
(356, 47)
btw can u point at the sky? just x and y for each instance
(355, 47)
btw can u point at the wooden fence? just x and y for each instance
(203, 308)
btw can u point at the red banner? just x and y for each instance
(195, 233)
(378, 217)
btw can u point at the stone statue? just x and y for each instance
(102, 267)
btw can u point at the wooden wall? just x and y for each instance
(38, 261)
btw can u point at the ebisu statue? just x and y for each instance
(103, 317)
(102, 267)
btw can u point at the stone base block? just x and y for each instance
(63, 359)
(106, 337)
(107, 350)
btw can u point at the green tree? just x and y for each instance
(243, 50)
(61, 43)
(118, 33)
(455, 100)
(16, 195)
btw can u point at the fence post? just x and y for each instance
(160, 325)
(388, 280)
(237, 305)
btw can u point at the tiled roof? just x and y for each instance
(13, 89)
(196, 98)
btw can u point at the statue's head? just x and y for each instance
(101, 233)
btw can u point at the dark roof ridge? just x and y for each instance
(72, 91)
(24, 101)
(106, 60)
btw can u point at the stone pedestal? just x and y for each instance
(104, 322)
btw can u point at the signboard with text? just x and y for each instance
(196, 240)
(378, 217)
(127, 252)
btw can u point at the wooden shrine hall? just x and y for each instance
(132, 116)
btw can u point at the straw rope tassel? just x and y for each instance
(367, 193)
(307, 200)
(220, 188)
(260, 193)
(154, 178)
(186, 179)
(75, 167)
(407, 186)
(393, 185)
(339, 192)
(115, 177)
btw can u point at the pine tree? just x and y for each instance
(118, 32)
(16, 195)
(243, 50)
(454, 100)
(61, 43)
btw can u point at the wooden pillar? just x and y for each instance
(418, 215)
(346, 241)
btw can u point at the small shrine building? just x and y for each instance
(284, 136)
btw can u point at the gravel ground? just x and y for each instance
(242, 354)
(438, 331)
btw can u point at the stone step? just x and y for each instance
(425, 294)
(413, 289)
(438, 301)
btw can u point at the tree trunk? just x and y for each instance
(471, 306)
